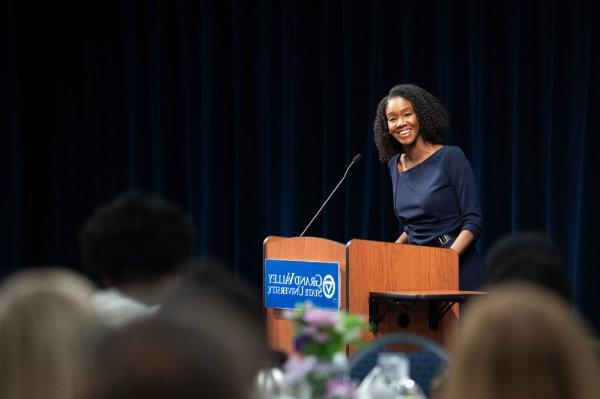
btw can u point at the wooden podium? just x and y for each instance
(371, 266)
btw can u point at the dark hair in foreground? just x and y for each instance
(210, 278)
(211, 297)
(136, 238)
(530, 257)
(433, 118)
(162, 358)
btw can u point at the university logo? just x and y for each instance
(328, 286)
(290, 282)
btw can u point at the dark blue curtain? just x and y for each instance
(247, 113)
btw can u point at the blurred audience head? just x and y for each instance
(164, 358)
(47, 323)
(136, 239)
(522, 341)
(529, 257)
(212, 299)
(211, 278)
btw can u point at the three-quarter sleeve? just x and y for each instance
(462, 180)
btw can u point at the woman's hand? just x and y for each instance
(403, 239)
(463, 241)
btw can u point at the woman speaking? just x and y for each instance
(435, 196)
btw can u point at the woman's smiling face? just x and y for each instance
(402, 121)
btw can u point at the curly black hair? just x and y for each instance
(136, 238)
(433, 118)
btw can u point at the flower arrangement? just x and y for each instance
(318, 367)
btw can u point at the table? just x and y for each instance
(439, 303)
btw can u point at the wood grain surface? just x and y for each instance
(382, 266)
(280, 330)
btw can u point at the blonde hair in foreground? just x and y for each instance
(46, 323)
(522, 342)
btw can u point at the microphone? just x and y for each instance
(356, 158)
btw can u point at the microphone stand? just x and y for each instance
(356, 158)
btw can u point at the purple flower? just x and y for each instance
(313, 332)
(301, 341)
(340, 389)
(320, 318)
(297, 367)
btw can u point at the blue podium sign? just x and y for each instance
(289, 283)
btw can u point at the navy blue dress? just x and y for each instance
(437, 197)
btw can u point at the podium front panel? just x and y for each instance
(280, 330)
(382, 266)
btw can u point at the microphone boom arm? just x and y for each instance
(356, 158)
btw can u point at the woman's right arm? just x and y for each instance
(403, 239)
